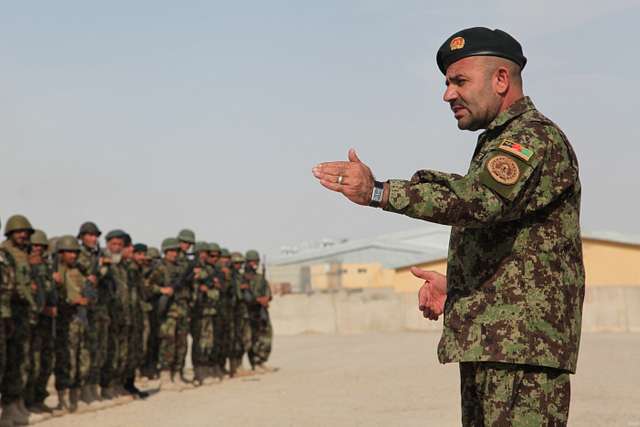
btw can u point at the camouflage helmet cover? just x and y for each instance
(89, 227)
(67, 243)
(170, 243)
(17, 223)
(187, 235)
(39, 238)
(252, 255)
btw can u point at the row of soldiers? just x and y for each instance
(97, 319)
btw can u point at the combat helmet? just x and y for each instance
(39, 238)
(170, 243)
(67, 243)
(252, 255)
(89, 227)
(153, 253)
(17, 223)
(224, 253)
(214, 247)
(236, 257)
(187, 235)
(201, 247)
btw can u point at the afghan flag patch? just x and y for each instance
(516, 149)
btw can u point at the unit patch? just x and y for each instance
(504, 170)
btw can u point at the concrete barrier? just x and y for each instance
(606, 309)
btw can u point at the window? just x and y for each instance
(362, 270)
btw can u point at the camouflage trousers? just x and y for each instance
(261, 339)
(3, 346)
(99, 321)
(173, 335)
(223, 333)
(502, 394)
(17, 363)
(135, 345)
(241, 334)
(113, 372)
(73, 360)
(203, 335)
(42, 360)
(153, 343)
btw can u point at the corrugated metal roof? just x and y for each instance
(401, 249)
(390, 250)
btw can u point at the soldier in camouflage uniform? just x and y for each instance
(98, 330)
(174, 328)
(152, 324)
(23, 310)
(512, 298)
(113, 273)
(43, 336)
(216, 355)
(203, 314)
(72, 355)
(137, 289)
(241, 338)
(186, 239)
(226, 305)
(10, 412)
(259, 321)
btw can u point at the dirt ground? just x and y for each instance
(374, 380)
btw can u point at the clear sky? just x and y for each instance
(157, 115)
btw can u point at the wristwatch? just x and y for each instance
(376, 195)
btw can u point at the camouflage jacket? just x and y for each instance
(73, 281)
(515, 274)
(165, 275)
(7, 283)
(23, 299)
(206, 302)
(114, 288)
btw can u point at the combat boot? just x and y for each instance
(31, 416)
(107, 393)
(95, 393)
(6, 423)
(74, 394)
(199, 375)
(265, 369)
(11, 415)
(86, 395)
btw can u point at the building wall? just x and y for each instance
(348, 276)
(611, 264)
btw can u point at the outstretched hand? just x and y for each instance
(432, 294)
(351, 178)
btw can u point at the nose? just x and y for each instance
(450, 94)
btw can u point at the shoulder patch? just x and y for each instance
(516, 149)
(503, 169)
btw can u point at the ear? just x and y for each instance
(501, 81)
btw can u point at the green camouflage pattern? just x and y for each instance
(503, 394)
(515, 273)
(73, 362)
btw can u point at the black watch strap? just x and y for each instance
(376, 195)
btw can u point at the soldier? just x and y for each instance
(241, 338)
(23, 308)
(44, 332)
(226, 305)
(186, 238)
(72, 355)
(172, 311)
(136, 342)
(152, 325)
(261, 329)
(512, 298)
(98, 330)
(203, 314)
(113, 275)
(216, 355)
(7, 293)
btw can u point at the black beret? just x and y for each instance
(127, 239)
(115, 234)
(479, 41)
(140, 247)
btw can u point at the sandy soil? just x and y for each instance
(373, 380)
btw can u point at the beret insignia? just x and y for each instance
(516, 149)
(457, 43)
(504, 170)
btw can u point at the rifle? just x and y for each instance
(165, 301)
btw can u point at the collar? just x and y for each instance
(516, 109)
